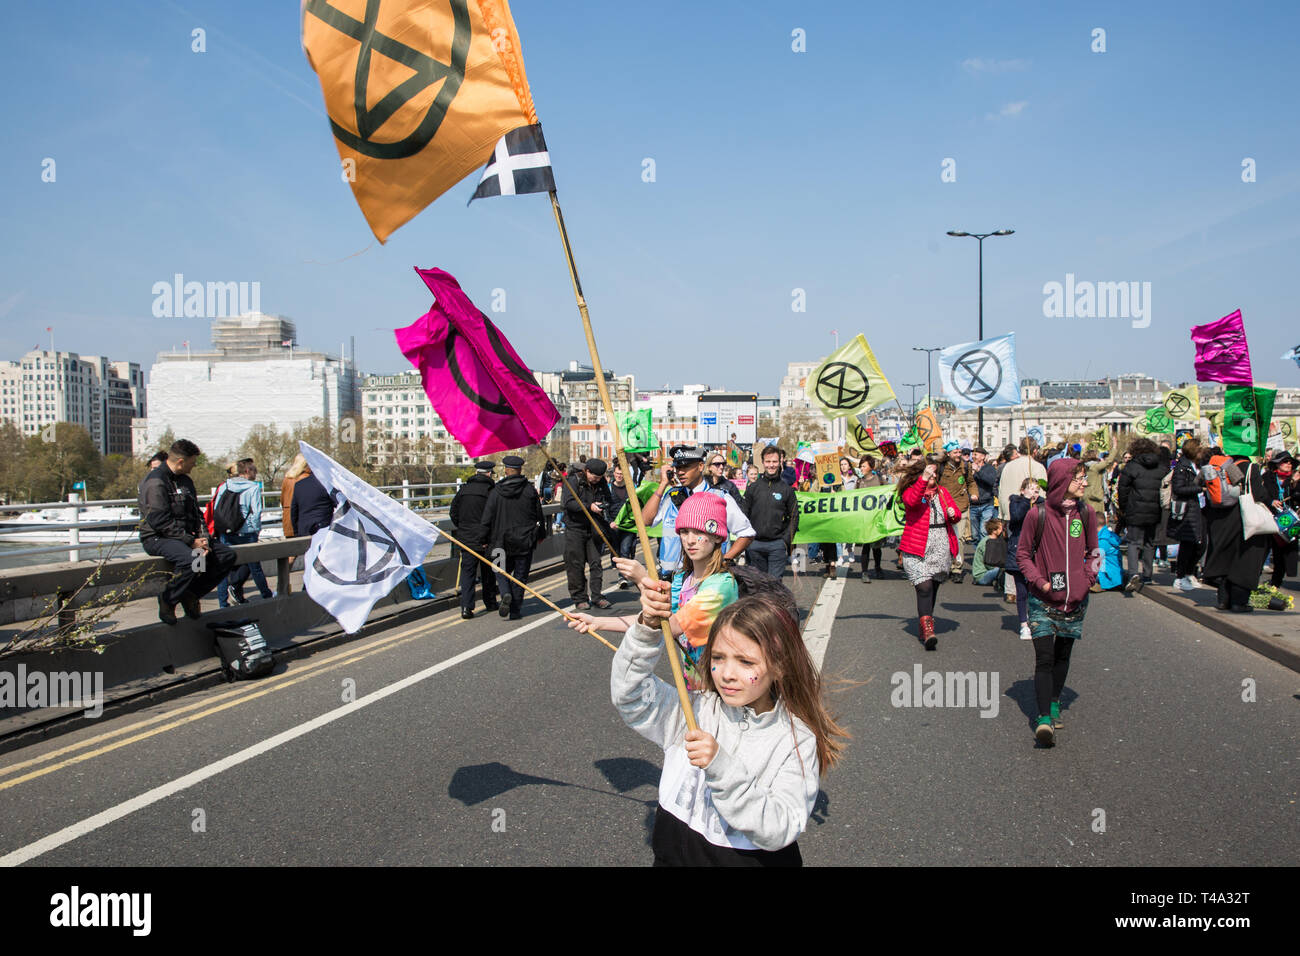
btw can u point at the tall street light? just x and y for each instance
(928, 389)
(913, 386)
(960, 234)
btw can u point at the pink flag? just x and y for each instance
(1221, 352)
(481, 389)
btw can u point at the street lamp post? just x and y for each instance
(960, 234)
(929, 390)
(913, 386)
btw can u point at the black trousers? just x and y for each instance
(1051, 666)
(469, 574)
(582, 554)
(519, 565)
(196, 574)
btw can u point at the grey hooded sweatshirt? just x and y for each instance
(759, 789)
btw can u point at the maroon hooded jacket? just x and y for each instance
(1069, 546)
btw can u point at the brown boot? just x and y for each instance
(927, 633)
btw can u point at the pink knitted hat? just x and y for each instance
(703, 511)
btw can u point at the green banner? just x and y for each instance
(624, 521)
(860, 516)
(1247, 413)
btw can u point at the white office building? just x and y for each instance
(254, 375)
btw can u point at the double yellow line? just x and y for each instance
(133, 733)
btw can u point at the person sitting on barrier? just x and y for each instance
(171, 527)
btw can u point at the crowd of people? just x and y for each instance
(1047, 528)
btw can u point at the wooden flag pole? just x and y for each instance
(565, 478)
(511, 577)
(674, 660)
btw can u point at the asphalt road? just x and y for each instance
(488, 742)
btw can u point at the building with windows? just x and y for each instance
(254, 375)
(402, 427)
(99, 394)
(579, 386)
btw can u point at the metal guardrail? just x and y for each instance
(25, 592)
(431, 501)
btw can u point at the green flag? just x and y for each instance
(860, 516)
(1159, 421)
(637, 431)
(911, 439)
(1247, 412)
(624, 521)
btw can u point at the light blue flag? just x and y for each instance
(981, 374)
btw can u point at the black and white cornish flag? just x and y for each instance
(520, 164)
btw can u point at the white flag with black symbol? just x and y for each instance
(520, 164)
(370, 546)
(981, 374)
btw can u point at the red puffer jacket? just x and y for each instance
(916, 527)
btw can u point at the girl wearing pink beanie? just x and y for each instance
(701, 589)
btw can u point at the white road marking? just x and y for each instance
(817, 633)
(90, 824)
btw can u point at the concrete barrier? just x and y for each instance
(141, 664)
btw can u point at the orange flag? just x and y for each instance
(418, 93)
(928, 430)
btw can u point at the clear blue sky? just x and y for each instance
(775, 170)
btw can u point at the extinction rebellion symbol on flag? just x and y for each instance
(350, 522)
(842, 385)
(1178, 405)
(982, 381)
(428, 72)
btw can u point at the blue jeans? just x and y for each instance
(989, 576)
(979, 514)
(240, 575)
(767, 556)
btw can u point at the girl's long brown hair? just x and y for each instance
(794, 678)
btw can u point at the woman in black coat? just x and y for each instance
(1185, 524)
(1139, 502)
(1233, 562)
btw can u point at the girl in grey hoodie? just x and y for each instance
(738, 791)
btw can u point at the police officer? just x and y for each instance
(582, 545)
(172, 528)
(687, 469)
(467, 515)
(512, 526)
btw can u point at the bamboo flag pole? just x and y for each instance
(565, 478)
(674, 661)
(511, 577)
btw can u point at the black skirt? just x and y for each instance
(676, 844)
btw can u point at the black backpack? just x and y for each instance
(995, 552)
(227, 516)
(242, 648)
(753, 581)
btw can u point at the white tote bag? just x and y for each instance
(1256, 518)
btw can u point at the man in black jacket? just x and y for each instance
(770, 505)
(171, 527)
(511, 527)
(582, 545)
(1139, 502)
(467, 515)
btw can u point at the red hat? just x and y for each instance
(705, 512)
